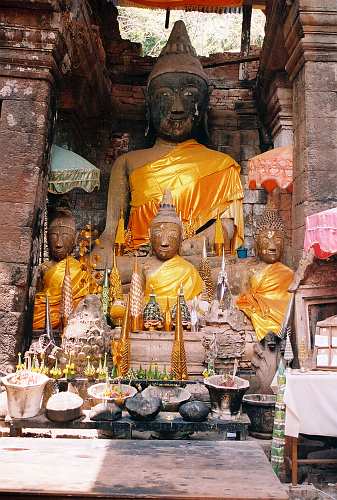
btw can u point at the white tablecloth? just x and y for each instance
(311, 403)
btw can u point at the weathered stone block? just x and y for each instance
(17, 214)
(24, 116)
(248, 152)
(320, 76)
(17, 247)
(21, 88)
(11, 330)
(255, 196)
(12, 298)
(13, 274)
(250, 137)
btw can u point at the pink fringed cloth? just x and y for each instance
(321, 233)
(272, 169)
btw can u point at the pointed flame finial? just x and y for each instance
(204, 251)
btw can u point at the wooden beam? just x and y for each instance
(245, 36)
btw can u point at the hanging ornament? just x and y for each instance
(120, 235)
(66, 295)
(219, 241)
(117, 306)
(288, 350)
(124, 349)
(178, 356)
(168, 319)
(105, 294)
(223, 293)
(194, 316)
(136, 298)
(152, 316)
(206, 274)
(185, 313)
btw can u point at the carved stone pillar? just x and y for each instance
(29, 59)
(280, 110)
(311, 41)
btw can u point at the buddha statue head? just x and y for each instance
(166, 230)
(269, 235)
(61, 234)
(177, 91)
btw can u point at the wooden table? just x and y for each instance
(184, 470)
(235, 427)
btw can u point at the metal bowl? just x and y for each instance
(260, 408)
(171, 397)
(225, 400)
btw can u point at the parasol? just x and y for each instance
(69, 170)
(202, 5)
(321, 233)
(272, 169)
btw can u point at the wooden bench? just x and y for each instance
(292, 461)
(235, 427)
(106, 469)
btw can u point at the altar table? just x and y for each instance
(311, 408)
(235, 427)
(105, 469)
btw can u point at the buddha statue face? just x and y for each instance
(61, 239)
(165, 239)
(269, 245)
(177, 104)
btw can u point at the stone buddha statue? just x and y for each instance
(165, 271)
(61, 241)
(266, 297)
(203, 182)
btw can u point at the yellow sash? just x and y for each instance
(268, 298)
(203, 183)
(167, 279)
(82, 285)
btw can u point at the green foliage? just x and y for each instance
(209, 33)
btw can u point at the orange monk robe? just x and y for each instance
(203, 183)
(267, 300)
(166, 281)
(82, 284)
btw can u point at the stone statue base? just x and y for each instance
(155, 347)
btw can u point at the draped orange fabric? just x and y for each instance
(267, 300)
(203, 183)
(82, 284)
(166, 281)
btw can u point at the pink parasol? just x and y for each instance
(321, 233)
(272, 169)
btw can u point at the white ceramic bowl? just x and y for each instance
(96, 391)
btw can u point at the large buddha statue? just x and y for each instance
(164, 270)
(61, 241)
(203, 182)
(266, 297)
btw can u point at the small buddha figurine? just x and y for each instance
(266, 297)
(165, 271)
(61, 241)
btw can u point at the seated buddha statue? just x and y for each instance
(61, 242)
(203, 182)
(266, 297)
(164, 270)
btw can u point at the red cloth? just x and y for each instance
(321, 233)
